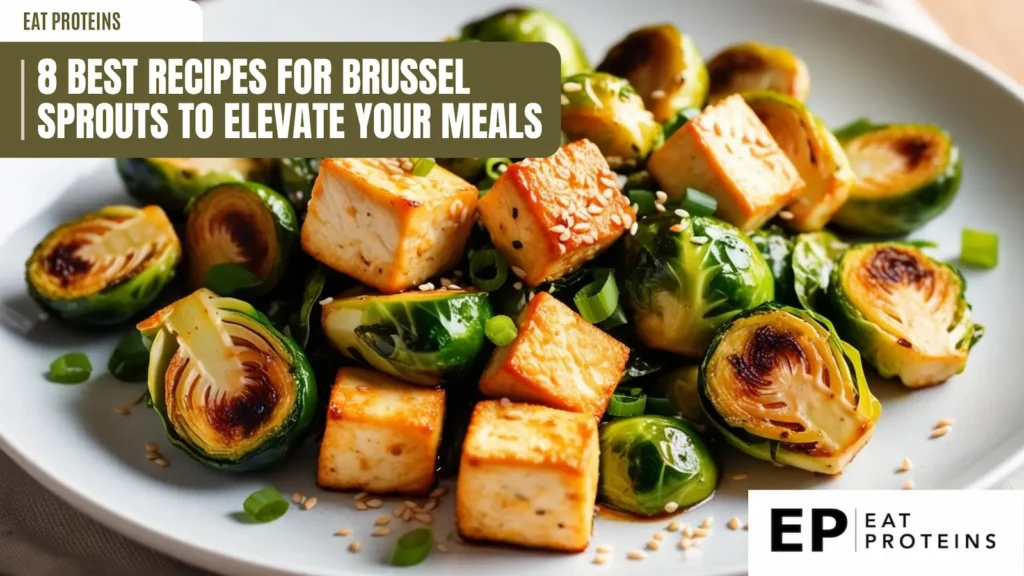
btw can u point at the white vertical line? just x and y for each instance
(22, 100)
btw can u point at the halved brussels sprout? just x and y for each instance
(906, 175)
(755, 66)
(231, 391)
(664, 66)
(608, 112)
(815, 152)
(241, 223)
(530, 25)
(814, 256)
(781, 386)
(906, 312)
(681, 390)
(172, 182)
(649, 461)
(685, 279)
(297, 178)
(425, 338)
(104, 267)
(777, 248)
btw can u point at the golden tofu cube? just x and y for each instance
(558, 359)
(382, 225)
(548, 216)
(382, 435)
(728, 153)
(528, 476)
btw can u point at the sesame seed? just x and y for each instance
(658, 536)
(685, 543)
(940, 432)
(308, 503)
(407, 166)
(501, 168)
(445, 282)
(454, 287)
(557, 229)
(455, 207)
(587, 238)
(343, 532)
(601, 559)
(676, 228)
(410, 504)
(513, 415)
(673, 526)
(438, 492)
(561, 248)
(734, 523)
(565, 236)
(429, 506)
(636, 555)
(633, 228)
(565, 100)
(944, 422)
(613, 183)
(297, 497)
(908, 485)
(407, 515)
(354, 547)
(627, 219)
(786, 215)
(151, 447)
(609, 192)
(581, 227)
(617, 219)
(681, 213)
(718, 129)
(661, 196)
(602, 200)
(383, 521)
(698, 240)
(426, 286)
(425, 518)
(569, 220)
(671, 507)
(517, 285)
(361, 495)
(382, 531)
(906, 465)
(397, 511)
(161, 462)
(152, 456)
(658, 94)
(653, 545)
(122, 411)
(707, 522)
(701, 533)
(530, 295)
(571, 87)
(518, 271)
(360, 505)
(594, 209)
(604, 549)
(686, 532)
(659, 207)
(505, 402)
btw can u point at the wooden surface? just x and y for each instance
(992, 29)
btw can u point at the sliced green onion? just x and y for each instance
(265, 505)
(672, 125)
(699, 203)
(130, 360)
(598, 300)
(620, 406)
(500, 330)
(618, 318)
(924, 243)
(495, 167)
(488, 270)
(227, 278)
(660, 406)
(422, 166)
(979, 248)
(413, 547)
(636, 391)
(73, 368)
(644, 201)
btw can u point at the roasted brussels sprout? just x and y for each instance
(608, 112)
(240, 223)
(754, 66)
(906, 175)
(469, 169)
(297, 178)
(648, 462)
(231, 390)
(425, 338)
(664, 67)
(781, 386)
(814, 256)
(777, 249)
(685, 279)
(681, 390)
(814, 151)
(104, 267)
(172, 182)
(530, 25)
(906, 312)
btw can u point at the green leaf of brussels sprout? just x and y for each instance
(227, 278)
(530, 25)
(172, 183)
(299, 326)
(777, 248)
(130, 360)
(814, 256)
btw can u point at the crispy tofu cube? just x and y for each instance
(558, 359)
(371, 219)
(550, 215)
(382, 435)
(528, 476)
(727, 152)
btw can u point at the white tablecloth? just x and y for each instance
(40, 535)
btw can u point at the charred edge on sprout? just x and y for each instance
(725, 67)
(915, 150)
(245, 236)
(64, 263)
(896, 266)
(761, 355)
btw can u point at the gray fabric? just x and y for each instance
(40, 535)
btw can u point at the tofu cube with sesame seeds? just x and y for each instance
(728, 153)
(382, 435)
(372, 219)
(528, 476)
(549, 216)
(557, 359)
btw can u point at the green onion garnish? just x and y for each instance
(627, 405)
(227, 278)
(265, 505)
(500, 330)
(422, 166)
(979, 248)
(495, 167)
(924, 243)
(618, 318)
(130, 360)
(699, 203)
(644, 201)
(413, 547)
(679, 120)
(488, 270)
(660, 406)
(598, 300)
(73, 368)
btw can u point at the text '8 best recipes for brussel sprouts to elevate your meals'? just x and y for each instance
(703, 264)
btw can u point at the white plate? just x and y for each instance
(70, 438)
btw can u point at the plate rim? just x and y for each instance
(209, 559)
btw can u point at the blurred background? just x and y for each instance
(989, 28)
